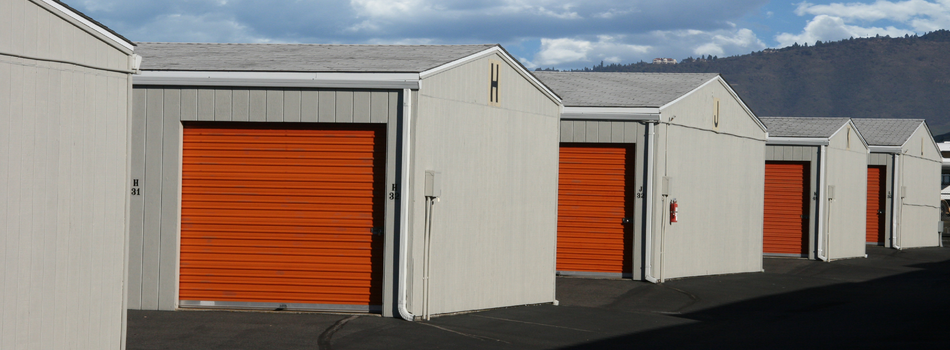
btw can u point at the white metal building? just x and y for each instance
(410, 180)
(65, 82)
(903, 173)
(815, 188)
(632, 143)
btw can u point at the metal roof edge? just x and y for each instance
(508, 59)
(798, 141)
(99, 28)
(885, 149)
(280, 79)
(610, 113)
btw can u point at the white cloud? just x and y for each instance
(842, 20)
(826, 28)
(558, 51)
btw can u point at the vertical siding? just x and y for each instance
(919, 210)
(156, 122)
(494, 230)
(63, 166)
(717, 176)
(846, 214)
(603, 131)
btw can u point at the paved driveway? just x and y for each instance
(892, 299)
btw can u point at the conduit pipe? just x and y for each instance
(822, 195)
(404, 205)
(896, 203)
(648, 195)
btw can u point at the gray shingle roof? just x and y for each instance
(822, 127)
(597, 89)
(886, 132)
(300, 57)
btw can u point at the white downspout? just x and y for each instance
(403, 190)
(896, 204)
(648, 195)
(822, 189)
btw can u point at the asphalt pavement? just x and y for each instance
(892, 299)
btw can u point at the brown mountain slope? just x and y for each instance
(879, 77)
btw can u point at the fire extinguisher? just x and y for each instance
(674, 210)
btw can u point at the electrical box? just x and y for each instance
(667, 186)
(903, 191)
(433, 184)
(831, 193)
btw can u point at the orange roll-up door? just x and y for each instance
(279, 214)
(875, 215)
(786, 208)
(592, 204)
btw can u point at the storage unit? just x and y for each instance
(410, 180)
(905, 164)
(65, 82)
(632, 143)
(816, 187)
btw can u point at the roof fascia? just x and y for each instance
(610, 113)
(89, 24)
(797, 141)
(280, 79)
(885, 149)
(505, 56)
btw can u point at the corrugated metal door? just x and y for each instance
(593, 202)
(786, 208)
(273, 214)
(875, 215)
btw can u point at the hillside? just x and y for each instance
(880, 77)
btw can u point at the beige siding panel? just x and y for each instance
(275, 106)
(326, 107)
(603, 131)
(616, 132)
(168, 266)
(308, 106)
(206, 104)
(580, 131)
(189, 104)
(6, 158)
(152, 192)
(567, 131)
(379, 106)
(239, 105)
(361, 107)
(6, 39)
(222, 105)
(394, 105)
(593, 132)
(344, 106)
(62, 275)
(291, 106)
(846, 215)
(257, 110)
(919, 212)
(136, 202)
(498, 255)
(631, 132)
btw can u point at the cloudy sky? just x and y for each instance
(541, 33)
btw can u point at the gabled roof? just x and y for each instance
(598, 89)
(89, 21)
(805, 127)
(887, 131)
(300, 57)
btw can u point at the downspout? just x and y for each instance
(896, 203)
(404, 220)
(648, 195)
(821, 202)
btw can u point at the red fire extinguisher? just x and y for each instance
(674, 210)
